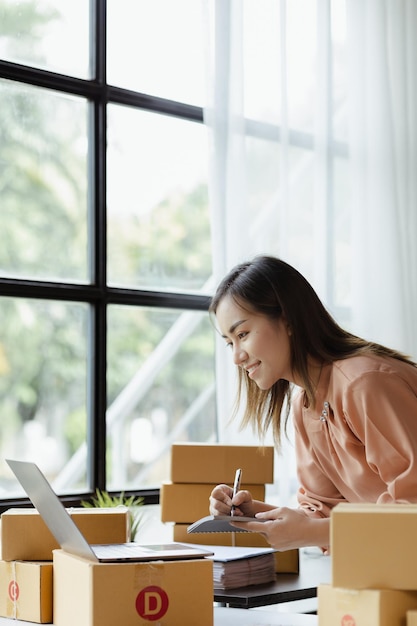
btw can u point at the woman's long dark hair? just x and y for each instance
(269, 286)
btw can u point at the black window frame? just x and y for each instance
(97, 293)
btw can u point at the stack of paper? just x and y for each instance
(243, 572)
(239, 567)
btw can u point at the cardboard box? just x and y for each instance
(168, 593)
(26, 591)
(215, 463)
(186, 503)
(25, 536)
(287, 562)
(374, 546)
(370, 607)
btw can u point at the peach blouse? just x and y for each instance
(359, 444)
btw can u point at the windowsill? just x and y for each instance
(151, 528)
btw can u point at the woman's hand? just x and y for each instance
(286, 529)
(221, 502)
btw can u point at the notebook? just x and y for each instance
(70, 538)
(221, 524)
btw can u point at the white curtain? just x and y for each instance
(383, 155)
(312, 119)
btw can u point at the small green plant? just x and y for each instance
(103, 499)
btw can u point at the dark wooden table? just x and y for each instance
(315, 569)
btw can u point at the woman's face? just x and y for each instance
(260, 346)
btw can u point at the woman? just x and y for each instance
(353, 402)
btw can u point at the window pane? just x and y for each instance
(291, 92)
(262, 49)
(161, 389)
(158, 48)
(291, 97)
(342, 225)
(340, 70)
(43, 184)
(158, 217)
(42, 34)
(43, 356)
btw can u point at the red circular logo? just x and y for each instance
(13, 590)
(152, 603)
(348, 620)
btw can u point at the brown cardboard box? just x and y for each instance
(26, 591)
(25, 536)
(373, 546)
(215, 463)
(287, 562)
(370, 607)
(167, 593)
(186, 503)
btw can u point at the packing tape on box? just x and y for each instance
(150, 575)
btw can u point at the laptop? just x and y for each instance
(71, 539)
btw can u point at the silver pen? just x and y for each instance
(236, 486)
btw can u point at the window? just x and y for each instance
(279, 121)
(106, 349)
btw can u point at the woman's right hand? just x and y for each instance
(221, 502)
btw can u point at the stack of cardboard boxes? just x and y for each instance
(374, 573)
(195, 470)
(26, 568)
(40, 582)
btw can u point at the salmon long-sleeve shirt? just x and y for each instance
(359, 442)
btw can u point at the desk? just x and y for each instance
(225, 617)
(314, 569)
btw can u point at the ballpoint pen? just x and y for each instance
(236, 486)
